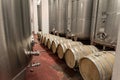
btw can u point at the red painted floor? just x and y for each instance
(51, 68)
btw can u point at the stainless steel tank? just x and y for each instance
(4, 58)
(84, 18)
(39, 9)
(52, 15)
(68, 16)
(81, 18)
(74, 16)
(105, 22)
(60, 16)
(26, 23)
(15, 35)
(57, 15)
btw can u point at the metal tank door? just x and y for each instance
(106, 22)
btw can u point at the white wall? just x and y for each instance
(34, 15)
(45, 16)
(31, 14)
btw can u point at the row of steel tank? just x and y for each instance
(15, 33)
(85, 19)
(71, 16)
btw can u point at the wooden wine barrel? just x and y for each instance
(43, 38)
(55, 43)
(47, 37)
(49, 41)
(39, 34)
(74, 54)
(97, 66)
(62, 47)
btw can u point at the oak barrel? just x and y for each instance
(62, 47)
(74, 54)
(39, 34)
(56, 42)
(43, 38)
(48, 37)
(97, 66)
(49, 41)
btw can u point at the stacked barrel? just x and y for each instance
(93, 64)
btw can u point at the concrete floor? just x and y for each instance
(51, 68)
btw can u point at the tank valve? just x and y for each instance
(36, 64)
(102, 35)
(35, 53)
(68, 30)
